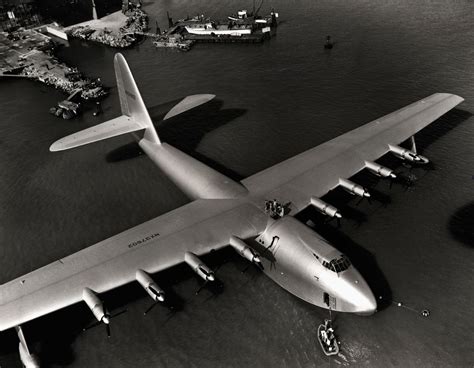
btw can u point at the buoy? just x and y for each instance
(329, 44)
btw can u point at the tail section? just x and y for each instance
(131, 101)
(135, 115)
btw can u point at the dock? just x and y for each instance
(251, 38)
(16, 76)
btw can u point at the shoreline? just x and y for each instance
(30, 54)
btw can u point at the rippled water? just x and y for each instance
(274, 100)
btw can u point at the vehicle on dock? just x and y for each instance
(327, 338)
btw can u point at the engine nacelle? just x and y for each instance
(244, 250)
(95, 305)
(354, 188)
(406, 154)
(150, 286)
(199, 267)
(379, 170)
(325, 208)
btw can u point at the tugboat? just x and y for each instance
(327, 339)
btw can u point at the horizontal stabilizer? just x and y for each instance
(188, 103)
(111, 128)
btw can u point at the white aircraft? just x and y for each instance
(224, 212)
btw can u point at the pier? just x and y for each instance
(2, 74)
(27, 54)
(251, 38)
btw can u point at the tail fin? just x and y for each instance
(135, 115)
(131, 101)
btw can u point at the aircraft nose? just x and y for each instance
(368, 304)
(358, 294)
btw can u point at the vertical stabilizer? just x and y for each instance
(131, 101)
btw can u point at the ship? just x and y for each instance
(214, 29)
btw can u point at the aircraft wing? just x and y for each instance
(315, 172)
(198, 227)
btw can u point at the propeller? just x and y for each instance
(159, 299)
(259, 265)
(172, 310)
(337, 218)
(406, 179)
(105, 320)
(362, 198)
(204, 284)
(150, 308)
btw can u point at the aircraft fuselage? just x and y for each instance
(294, 256)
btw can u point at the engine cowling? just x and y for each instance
(199, 267)
(150, 286)
(95, 305)
(406, 154)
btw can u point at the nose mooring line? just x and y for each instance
(424, 312)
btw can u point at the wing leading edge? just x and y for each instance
(315, 172)
(203, 225)
(155, 245)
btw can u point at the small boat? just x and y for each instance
(328, 349)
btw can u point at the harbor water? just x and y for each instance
(274, 100)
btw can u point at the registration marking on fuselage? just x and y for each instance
(143, 240)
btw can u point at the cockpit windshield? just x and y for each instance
(338, 265)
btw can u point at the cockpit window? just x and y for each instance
(338, 265)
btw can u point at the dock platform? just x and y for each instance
(252, 38)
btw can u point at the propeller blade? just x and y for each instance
(169, 315)
(201, 287)
(117, 314)
(95, 324)
(359, 201)
(246, 268)
(150, 308)
(107, 328)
